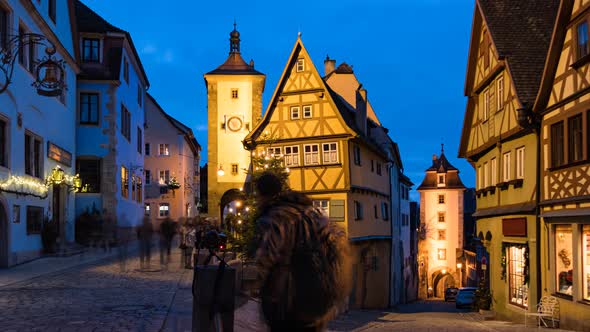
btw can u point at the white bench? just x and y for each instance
(547, 311)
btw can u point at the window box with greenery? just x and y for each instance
(173, 184)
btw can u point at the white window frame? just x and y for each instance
(332, 157)
(300, 65)
(160, 209)
(444, 180)
(323, 205)
(520, 155)
(494, 171)
(506, 176)
(166, 149)
(163, 176)
(307, 111)
(292, 158)
(500, 92)
(295, 112)
(311, 154)
(486, 175)
(275, 151)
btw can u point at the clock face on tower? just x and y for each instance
(234, 123)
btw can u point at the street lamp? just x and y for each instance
(49, 73)
(220, 171)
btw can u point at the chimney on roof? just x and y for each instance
(329, 65)
(434, 158)
(361, 109)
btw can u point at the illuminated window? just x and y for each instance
(147, 209)
(517, 289)
(586, 260)
(164, 210)
(164, 177)
(124, 182)
(442, 254)
(564, 261)
(300, 65)
(164, 149)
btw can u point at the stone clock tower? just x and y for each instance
(234, 98)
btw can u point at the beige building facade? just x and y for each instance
(441, 228)
(172, 157)
(234, 106)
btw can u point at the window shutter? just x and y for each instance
(337, 210)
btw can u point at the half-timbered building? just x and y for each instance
(338, 153)
(563, 105)
(509, 43)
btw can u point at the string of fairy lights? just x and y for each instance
(28, 185)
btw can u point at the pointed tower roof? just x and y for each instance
(234, 64)
(441, 166)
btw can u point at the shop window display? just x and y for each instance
(586, 257)
(518, 287)
(563, 259)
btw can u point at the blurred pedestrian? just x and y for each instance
(144, 235)
(302, 260)
(123, 239)
(167, 231)
(187, 238)
(108, 229)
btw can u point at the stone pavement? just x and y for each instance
(96, 293)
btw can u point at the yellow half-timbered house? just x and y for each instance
(337, 153)
(563, 106)
(509, 44)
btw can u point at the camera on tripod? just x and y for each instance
(214, 240)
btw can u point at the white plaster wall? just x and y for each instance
(48, 118)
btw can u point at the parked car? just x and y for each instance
(451, 293)
(465, 297)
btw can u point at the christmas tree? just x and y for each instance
(240, 222)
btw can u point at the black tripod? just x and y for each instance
(213, 307)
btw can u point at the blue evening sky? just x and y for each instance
(410, 55)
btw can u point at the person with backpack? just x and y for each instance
(303, 260)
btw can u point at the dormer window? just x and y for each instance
(90, 50)
(300, 65)
(441, 180)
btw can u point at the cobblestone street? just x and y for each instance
(101, 296)
(98, 296)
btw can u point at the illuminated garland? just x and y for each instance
(21, 185)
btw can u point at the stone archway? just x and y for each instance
(4, 236)
(441, 281)
(228, 197)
